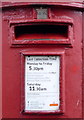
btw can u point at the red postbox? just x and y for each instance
(42, 60)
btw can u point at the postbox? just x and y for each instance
(42, 60)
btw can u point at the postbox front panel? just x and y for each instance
(42, 72)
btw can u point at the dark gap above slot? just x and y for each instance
(41, 32)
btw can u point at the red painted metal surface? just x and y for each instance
(11, 70)
(0, 65)
(69, 3)
(83, 65)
